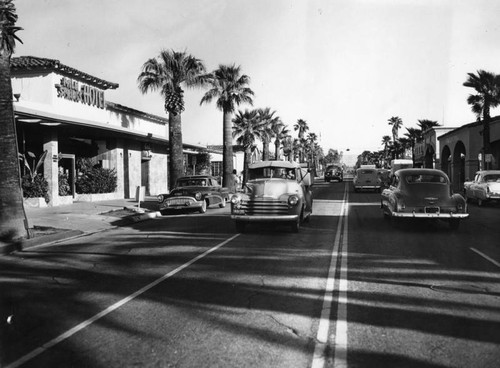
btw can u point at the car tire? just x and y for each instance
(240, 226)
(223, 203)
(395, 222)
(203, 207)
(454, 224)
(295, 226)
(480, 202)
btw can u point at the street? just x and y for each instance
(187, 290)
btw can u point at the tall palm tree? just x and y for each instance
(230, 88)
(487, 87)
(281, 132)
(413, 135)
(396, 123)
(247, 128)
(167, 73)
(301, 127)
(12, 214)
(386, 140)
(268, 120)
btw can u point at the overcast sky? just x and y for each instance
(344, 66)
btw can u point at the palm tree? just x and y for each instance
(386, 140)
(487, 86)
(414, 135)
(426, 124)
(396, 123)
(301, 127)
(230, 88)
(247, 128)
(281, 132)
(12, 214)
(268, 120)
(166, 73)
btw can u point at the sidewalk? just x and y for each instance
(52, 224)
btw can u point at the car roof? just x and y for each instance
(418, 171)
(283, 164)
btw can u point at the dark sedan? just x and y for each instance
(196, 193)
(333, 172)
(424, 194)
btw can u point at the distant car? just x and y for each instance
(276, 191)
(424, 194)
(334, 172)
(195, 193)
(484, 188)
(385, 177)
(367, 178)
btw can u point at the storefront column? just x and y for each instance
(50, 165)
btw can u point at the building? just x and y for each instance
(64, 111)
(427, 151)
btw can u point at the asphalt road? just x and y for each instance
(189, 291)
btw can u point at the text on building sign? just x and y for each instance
(70, 89)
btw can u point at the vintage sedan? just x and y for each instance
(334, 172)
(276, 191)
(423, 194)
(484, 188)
(367, 178)
(196, 192)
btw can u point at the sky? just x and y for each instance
(344, 66)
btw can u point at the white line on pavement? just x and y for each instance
(341, 323)
(485, 256)
(111, 308)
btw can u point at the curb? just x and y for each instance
(7, 248)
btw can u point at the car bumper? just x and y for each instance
(430, 215)
(264, 218)
(180, 203)
(367, 186)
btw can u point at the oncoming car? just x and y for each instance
(423, 194)
(195, 193)
(334, 172)
(484, 188)
(367, 178)
(276, 191)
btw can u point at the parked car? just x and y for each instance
(334, 172)
(484, 188)
(277, 191)
(424, 194)
(367, 178)
(196, 192)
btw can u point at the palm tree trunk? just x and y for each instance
(175, 143)
(247, 162)
(277, 149)
(12, 215)
(265, 150)
(486, 136)
(227, 155)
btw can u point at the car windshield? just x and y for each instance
(192, 182)
(492, 178)
(425, 178)
(271, 172)
(367, 172)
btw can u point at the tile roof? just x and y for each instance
(36, 63)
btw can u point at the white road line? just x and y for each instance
(485, 256)
(111, 308)
(341, 323)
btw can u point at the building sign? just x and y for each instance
(70, 89)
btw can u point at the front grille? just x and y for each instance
(264, 207)
(177, 201)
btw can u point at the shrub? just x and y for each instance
(96, 180)
(64, 188)
(35, 186)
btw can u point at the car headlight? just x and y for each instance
(235, 199)
(197, 196)
(160, 198)
(293, 200)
